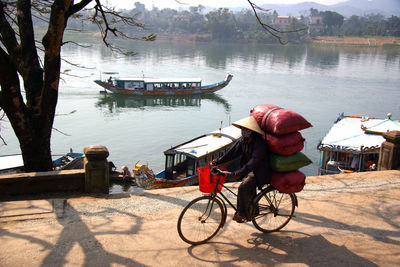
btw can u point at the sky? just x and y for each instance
(129, 4)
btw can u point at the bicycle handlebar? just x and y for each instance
(215, 170)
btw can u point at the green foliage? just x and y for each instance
(297, 37)
(333, 21)
(223, 24)
(393, 26)
(368, 25)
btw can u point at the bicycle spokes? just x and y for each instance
(275, 210)
(207, 211)
(201, 219)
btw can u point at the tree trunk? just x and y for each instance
(32, 120)
(37, 154)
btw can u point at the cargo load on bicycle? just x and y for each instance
(285, 142)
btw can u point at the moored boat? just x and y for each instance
(353, 144)
(157, 86)
(182, 161)
(15, 163)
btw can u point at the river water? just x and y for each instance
(316, 82)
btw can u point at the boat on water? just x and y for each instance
(353, 144)
(15, 164)
(157, 86)
(182, 161)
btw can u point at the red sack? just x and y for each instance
(259, 111)
(277, 120)
(285, 145)
(288, 182)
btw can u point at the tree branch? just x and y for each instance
(8, 35)
(100, 17)
(26, 32)
(77, 7)
(273, 31)
(61, 132)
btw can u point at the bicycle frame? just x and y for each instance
(215, 192)
(214, 195)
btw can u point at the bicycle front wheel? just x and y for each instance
(273, 210)
(201, 220)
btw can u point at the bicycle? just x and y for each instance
(203, 217)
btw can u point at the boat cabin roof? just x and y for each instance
(207, 143)
(357, 134)
(10, 162)
(162, 80)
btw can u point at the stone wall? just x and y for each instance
(94, 178)
(42, 182)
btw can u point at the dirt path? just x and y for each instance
(351, 220)
(362, 41)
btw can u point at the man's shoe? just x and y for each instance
(238, 218)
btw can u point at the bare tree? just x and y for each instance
(31, 111)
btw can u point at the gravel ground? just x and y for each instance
(155, 201)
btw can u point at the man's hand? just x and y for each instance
(236, 177)
(212, 164)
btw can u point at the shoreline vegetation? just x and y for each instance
(370, 41)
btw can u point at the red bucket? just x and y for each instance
(207, 181)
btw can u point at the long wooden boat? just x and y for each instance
(157, 87)
(182, 161)
(15, 163)
(353, 144)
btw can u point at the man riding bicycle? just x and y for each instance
(254, 164)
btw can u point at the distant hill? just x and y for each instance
(347, 9)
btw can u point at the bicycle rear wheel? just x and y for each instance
(201, 220)
(273, 210)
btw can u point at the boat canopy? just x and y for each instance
(357, 134)
(162, 80)
(10, 162)
(208, 143)
(110, 72)
(172, 80)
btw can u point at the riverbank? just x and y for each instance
(373, 41)
(377, 41)
(346, 219)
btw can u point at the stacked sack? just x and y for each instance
(281, 127)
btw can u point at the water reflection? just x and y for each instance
(290, 55)
(223, 55)
(218, 55)
(323, 57)
(113, 101)
(392, 56)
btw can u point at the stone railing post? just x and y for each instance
(389, 154)
(97, 175)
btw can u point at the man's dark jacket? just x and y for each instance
(255, 158)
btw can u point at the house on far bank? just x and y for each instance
(282, 20)
(314, 22)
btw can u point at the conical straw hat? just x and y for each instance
(248, 123)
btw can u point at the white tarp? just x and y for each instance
(9, 162)
(348, 135)
(211, 142)
(161, 80)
